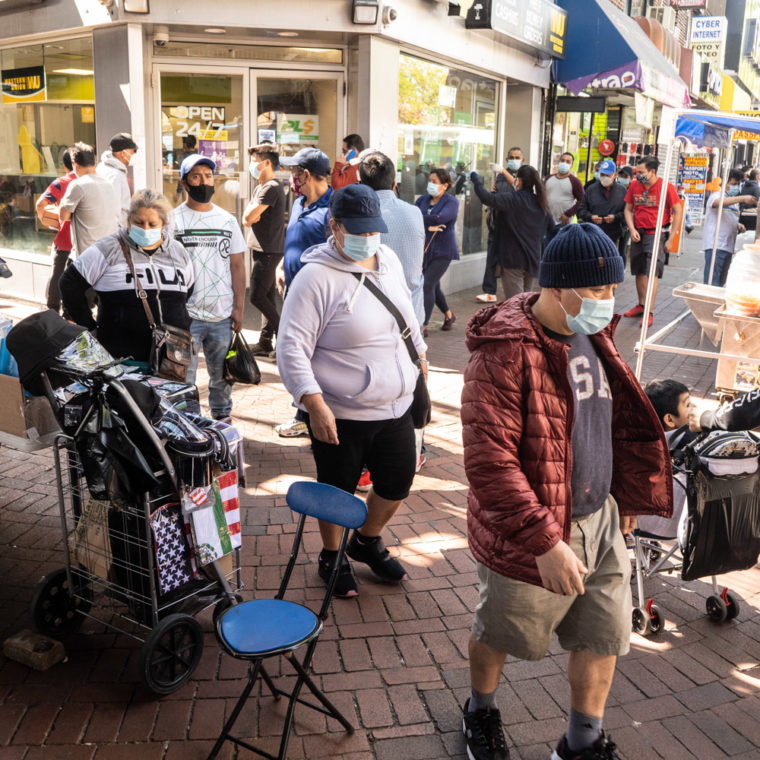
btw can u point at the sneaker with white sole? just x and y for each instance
(292, 429)
(484, 734)
(420, 462)
(486, 298)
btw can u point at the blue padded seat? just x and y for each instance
(266, 625)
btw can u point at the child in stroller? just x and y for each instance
(684, 426)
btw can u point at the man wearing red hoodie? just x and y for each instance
(562, 450)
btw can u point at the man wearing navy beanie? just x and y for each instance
(562, 451)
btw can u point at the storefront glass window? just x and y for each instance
(47, 104)
(227, 52)
(447, 117)
(203, 114)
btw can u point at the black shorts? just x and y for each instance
(641, 253)
(386, 447)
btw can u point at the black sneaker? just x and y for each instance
(484, 734)
(374, 554)
(601, 749)
(345, 586)
(261, 349)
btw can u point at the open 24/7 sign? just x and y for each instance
(297, 128)
(203, 122)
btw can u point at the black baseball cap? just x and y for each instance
(311, 159)
(122, 141)
(357, 208)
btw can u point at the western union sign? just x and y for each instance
(24, 85)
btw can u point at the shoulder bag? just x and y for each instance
(421, 406)
(172, 348)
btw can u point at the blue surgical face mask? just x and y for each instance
(563, 167)
(514, 164)
(732, 190)
(145, 238)
(360, 247)
(624, 181)
(253, 168)
(597, 176)
(433, 189)
(594, 316)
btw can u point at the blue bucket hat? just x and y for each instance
(357, 208)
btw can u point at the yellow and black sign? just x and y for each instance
(24, 85)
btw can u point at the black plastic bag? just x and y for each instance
(240, 364)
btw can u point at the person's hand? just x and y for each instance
(279, 278)
(741, 227)
(610, 218)
(561, 570)
(635, 236)
(694, 416)
(596, 219)
(749, 200)
(424, 368)
(236, 318)
(321, 419)
(496, 168)
(628, 524)
(438, 228)
(564, 219)
(670, 244)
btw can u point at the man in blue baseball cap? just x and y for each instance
(604, 202)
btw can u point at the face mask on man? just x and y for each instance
(605, 181)
(594, 316)
(513, 164)
(145, 238)
(624, 181)
(732, 190)
(563, 167)
(433, 189)
(200, 193)
(597, 176)
(360, 247)
(253, 168)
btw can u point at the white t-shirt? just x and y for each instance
(93, 207)
(729, 225)
(210, 237)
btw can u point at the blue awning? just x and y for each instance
(608, 49)
(712, 129)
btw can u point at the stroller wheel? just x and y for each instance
(732, 602)
(57, 611)
(171, 653)
(655, 620)
(641, 622)
(716, 608)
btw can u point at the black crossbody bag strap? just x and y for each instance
(406, 332)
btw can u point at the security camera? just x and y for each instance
(161, 37)
(389, 14)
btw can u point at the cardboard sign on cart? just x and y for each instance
(26, 422)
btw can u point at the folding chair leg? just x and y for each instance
(276, 693)
(317, 692)
(252, 676)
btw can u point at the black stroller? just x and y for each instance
(715, 526)
(136, 481)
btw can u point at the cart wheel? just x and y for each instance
(171, 653)
(54, 609)
(224, 604)
(732, 603)
(717, 609)
(655, 619)
(654, 554)
(641, 622)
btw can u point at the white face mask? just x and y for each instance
(606, 181)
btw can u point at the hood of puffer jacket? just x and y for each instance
(108, 158)
(513, 320)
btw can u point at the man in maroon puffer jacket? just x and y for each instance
(562, 450)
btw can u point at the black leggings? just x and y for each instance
(264, 292)
(432, 273)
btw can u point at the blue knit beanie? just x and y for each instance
(580, 256)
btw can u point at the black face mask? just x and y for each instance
(200, 193)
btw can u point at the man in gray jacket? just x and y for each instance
(113, 167)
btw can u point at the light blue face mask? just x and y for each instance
(253, 168)
(514, 164)
(145, 238)
(597, 176)
(433, 189)
(360, 247)
(733, 190)
(624, 181)
(594, 316)
(563, 167)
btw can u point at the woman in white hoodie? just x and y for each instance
(343, 358)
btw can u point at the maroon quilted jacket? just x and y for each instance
(517, 411)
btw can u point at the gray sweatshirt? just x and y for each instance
(336, 338)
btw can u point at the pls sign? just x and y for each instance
(297, 128)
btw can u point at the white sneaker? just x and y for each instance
(420, 462)
(292, 429)
(486, 298)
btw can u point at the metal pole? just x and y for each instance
(673, 145)
(727, 160)
(590, 144)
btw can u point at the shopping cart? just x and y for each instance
(127, 466)
(715, 527)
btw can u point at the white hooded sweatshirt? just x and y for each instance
(113, 170)
(336, 338)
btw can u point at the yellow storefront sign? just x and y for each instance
(742, 135)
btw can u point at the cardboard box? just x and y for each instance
(27, 418)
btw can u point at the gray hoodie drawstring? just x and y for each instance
(356, 292)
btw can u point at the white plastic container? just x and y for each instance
(743, 282)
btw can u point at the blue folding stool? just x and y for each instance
(264, 628)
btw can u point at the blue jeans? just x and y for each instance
(722, 263)
(214, 338)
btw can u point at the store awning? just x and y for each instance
(607, 49)
(711, 129)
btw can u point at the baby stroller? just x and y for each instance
(715, 527)
(147, 496)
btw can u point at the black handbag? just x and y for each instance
(172, 348)
(239, 363)
(421, 407)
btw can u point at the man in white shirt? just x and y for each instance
(216, 246)
(89, 201)
(113, 167)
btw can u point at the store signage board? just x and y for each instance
(201, 122)
(711, 86)
(742, 135)
(570, 104)
(538, 23)
(683, 4)
(297, 128)
(708, 37)
(25, 85)
(693, 179)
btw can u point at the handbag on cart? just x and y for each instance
(172, 347)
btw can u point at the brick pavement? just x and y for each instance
(394, 659)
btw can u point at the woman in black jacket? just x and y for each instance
(523, 223)
(162, 266)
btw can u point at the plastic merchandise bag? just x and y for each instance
(239, 364)
(85, 354)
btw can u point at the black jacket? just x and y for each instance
(601, 201)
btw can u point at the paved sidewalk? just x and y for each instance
(395, 658)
